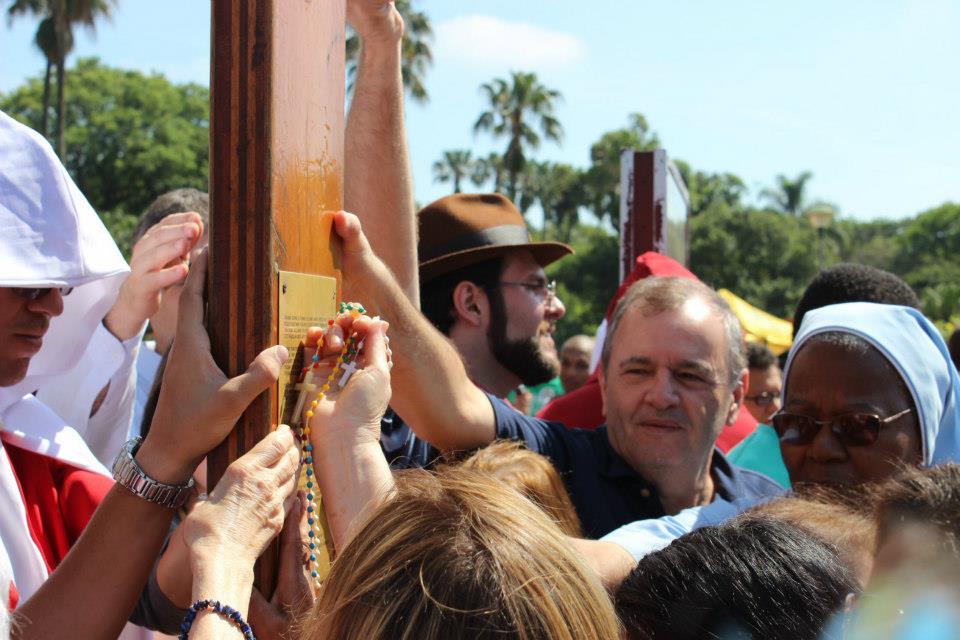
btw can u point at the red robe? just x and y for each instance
(60, 500)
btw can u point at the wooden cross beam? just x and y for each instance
(654, 207)
(276, 164)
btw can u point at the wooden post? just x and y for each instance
(654, 208)
(643, 194)
(276, 164)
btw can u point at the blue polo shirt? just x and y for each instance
(606, 491)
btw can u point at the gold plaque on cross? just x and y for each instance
(305, 300)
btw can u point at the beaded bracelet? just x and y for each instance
(227, 613)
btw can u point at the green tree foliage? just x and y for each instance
(929, 247)
(587, 280)
(486, 168)
(54, 38)
(871, 242)
(514, 105)
(764, 257)
(130, 136)
(559, 189)
(453, 167)
(416, 56)
(711, 192)
(790, 195)
(603, 176)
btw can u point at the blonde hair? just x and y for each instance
(459, 554)
(531, 474)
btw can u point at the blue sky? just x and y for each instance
(865, 94)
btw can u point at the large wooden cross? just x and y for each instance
(276, 164)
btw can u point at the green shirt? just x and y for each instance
(760, 451)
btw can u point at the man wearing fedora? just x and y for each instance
(482, 285)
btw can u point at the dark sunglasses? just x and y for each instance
(35, 293)
(852, 429)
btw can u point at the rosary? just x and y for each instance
(346, 362)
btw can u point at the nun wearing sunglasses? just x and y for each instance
(868, 388)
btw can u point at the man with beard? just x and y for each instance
(483, 286)
(673, 375)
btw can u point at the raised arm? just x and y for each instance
(431, 390)
(377, 183)
(198, 406)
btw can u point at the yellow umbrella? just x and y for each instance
(760, 326)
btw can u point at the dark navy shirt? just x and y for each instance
(606, 491)
(402, 448)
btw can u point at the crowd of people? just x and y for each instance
(675, 483)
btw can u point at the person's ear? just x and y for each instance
(739, 391)
(470, 303)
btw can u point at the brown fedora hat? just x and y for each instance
(467, 228)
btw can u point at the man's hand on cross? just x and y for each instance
(198, 404)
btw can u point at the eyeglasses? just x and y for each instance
(35, 293)
(542, 291)
(852, 429)
(765, 398)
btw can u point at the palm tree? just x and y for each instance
(512, 106)
(415, 53)
(560, 190)
(486, 168)
(453, 167)
(789, 196)
(54, 38)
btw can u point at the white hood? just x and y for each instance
(51, 236)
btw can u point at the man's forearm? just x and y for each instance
(378, 186)
(95, 588)
(611, 561)
(431, 389)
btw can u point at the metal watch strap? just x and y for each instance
(128, 473)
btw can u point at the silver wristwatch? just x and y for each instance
(128, 473)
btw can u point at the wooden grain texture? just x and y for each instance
(643, 195)
(276, 164)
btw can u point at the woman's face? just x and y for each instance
(828, 380)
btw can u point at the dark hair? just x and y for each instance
(849, 282)
(759, 356)
(436, 295)
(176, 201)
(755, 578)
(928, 496)
(953, 344)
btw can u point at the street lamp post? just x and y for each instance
(820, 219)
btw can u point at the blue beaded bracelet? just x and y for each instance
(228, 613)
